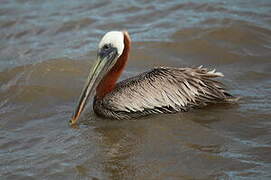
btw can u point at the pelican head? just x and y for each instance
(110, 49)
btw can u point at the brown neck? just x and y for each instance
(108, 82)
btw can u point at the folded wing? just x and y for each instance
(167, 90)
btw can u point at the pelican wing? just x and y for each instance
(167, 90)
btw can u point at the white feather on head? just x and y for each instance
(115, 38)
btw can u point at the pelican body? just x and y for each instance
(160, 90)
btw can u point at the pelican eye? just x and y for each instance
(108, 50)
(106, 46)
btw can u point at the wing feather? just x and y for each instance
(166, 89)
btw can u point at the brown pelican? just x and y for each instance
(160, 90)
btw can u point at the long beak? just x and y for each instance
(97, 72)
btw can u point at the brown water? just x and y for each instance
(46, 49)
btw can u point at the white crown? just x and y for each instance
(115, 38)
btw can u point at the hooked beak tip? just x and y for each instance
(73, 121)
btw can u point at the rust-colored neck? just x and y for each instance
(108, 82)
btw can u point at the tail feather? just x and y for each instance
(230, 98)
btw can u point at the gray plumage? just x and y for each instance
(162, 90)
